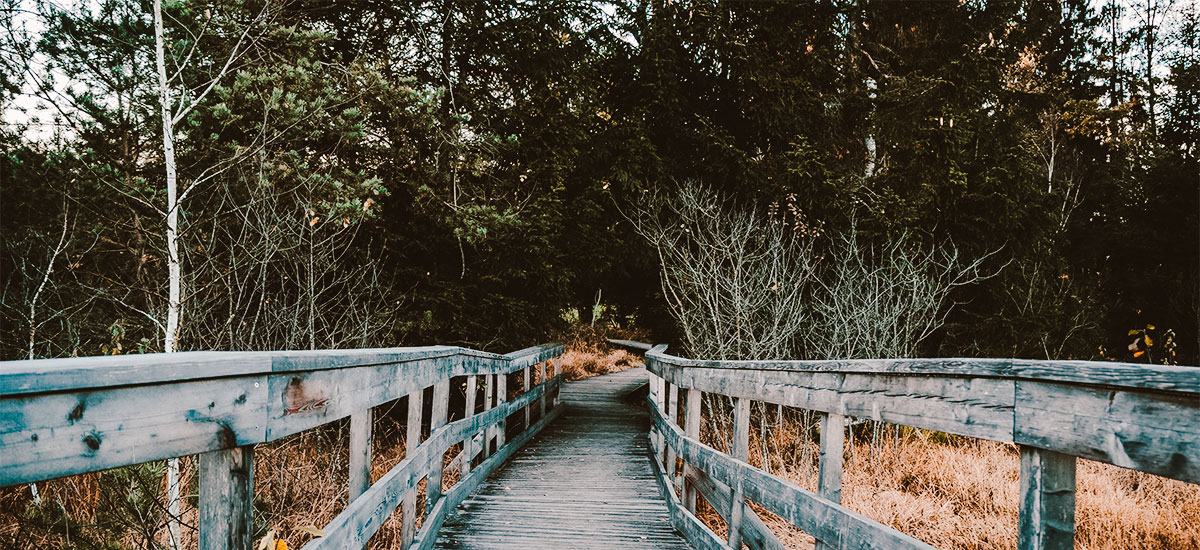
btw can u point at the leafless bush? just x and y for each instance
(883, 301)
(734, 280)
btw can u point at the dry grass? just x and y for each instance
(962, 494)
(589, 354)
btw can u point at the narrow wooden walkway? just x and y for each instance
(584, 483)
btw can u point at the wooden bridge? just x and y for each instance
(591, 464)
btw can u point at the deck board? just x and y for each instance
(584, 483)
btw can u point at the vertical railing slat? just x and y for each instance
(360, 452)
(438, 413)
(829, 480)
(673, 415)
(692, 430)
(501, 397)
(226, 503)
(1047, 517)
(412, 439)
(542, 380)
(741, 451)
(525, 372)
(468, 412)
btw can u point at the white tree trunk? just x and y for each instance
(171, 329)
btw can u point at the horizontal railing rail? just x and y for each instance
(1143, 417)
(61, 417)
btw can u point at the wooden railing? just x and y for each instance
(1141, 417)
(60, 417)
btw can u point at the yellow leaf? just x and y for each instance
(1149, 327)
(314, 531)
(267, 542)
(281, 545)
(1149, 342)
(1139, 354)
(1134, 331)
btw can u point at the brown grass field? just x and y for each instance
(950, 492)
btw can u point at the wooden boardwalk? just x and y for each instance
(584, 483)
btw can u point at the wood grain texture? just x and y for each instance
(220, 401)
(826, 521)
(360, 452)
(1047, 516)
(586, 482)
(363, 517)
(226, 501)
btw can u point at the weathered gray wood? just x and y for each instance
(755, 533)
(673, 414)
(829, 478)
(693, 430)
(974, 407)
(541, 380)
(832, 523)
(438, 412)
(584, 483)
(226, 500)
(412, 440)
(686, 523)
(1047, 518)
(468, 452)
(360, 452)
(49, 435)
(1122, 375)
(525, 387)
(501, 397)
(741, 451)
(1149, 431)
(437, 516)
(362, 518)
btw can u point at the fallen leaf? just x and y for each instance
(314, 531)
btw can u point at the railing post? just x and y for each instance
(469, 411)
(489, 403)
(226, 503)
(438, 412)
(557, 373)
(829, 480)
(501, 397)
(525, 372)
(673, 415)
(411, 441)
(741, 451)
(542, 380)
(692, 430)
(360, 453)
(1047, 518)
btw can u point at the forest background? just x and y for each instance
(385, 173)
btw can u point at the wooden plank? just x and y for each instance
(1047, 518)
(693, 430)
(542, 379)
(1122, 375)
(829, 477)
(433, 521)
(501, 397)
(684, 521)
(673, 414)
(359, 521)
(974, 407)
(360, 452)
(832, 523)
(741, 451)
(1153, 432)
(438, 412)
(524, 388)
(226, 500)
(411, 441)
(755, 533)
(50, 435)
(468, 452)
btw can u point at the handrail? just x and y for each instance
(1143, 417)
(62, 417)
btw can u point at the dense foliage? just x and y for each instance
(404, 172)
